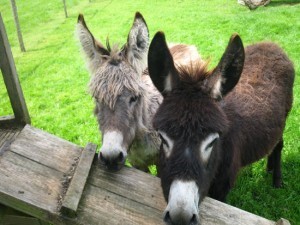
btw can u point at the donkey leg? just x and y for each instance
(277, 177)
(219, 189)
(142, 168)
(221, 186)
(270, 163)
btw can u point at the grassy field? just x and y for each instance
(54, 77)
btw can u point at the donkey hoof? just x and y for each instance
(269, 170)
(278, 184)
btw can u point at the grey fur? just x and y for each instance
(124, 94)
(116, 78)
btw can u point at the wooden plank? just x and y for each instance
(131, 183)
(30, 183)
(35, 185)
(46, 149)
(213, 212)
(109, 208)
(7, 119)
(73, 195)
(140, 190)
(11, 79)
(34, 173)
(4, 147)
(4, 137)
(7, 136)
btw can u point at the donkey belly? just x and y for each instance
(259, 104)
(259, 145)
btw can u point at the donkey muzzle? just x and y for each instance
(113, 161)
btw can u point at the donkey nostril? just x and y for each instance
(194, 220)
(121, 157)
(167, 218)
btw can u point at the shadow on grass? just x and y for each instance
(281, 3)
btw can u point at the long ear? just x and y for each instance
(92, 48)
(138, 43)
(161, 65)
(229, 69)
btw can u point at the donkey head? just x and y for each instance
(116, 87)
(191, 124)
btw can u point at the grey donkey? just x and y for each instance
(125, 98)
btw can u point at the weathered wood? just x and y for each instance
(65, 8)
(17, 23)
(7, 136)
(7, 119)
(34, 173)
(110, 208)
(33, 181)
(106, 193)
(214, 212)
(74, 192)
(11, 79)
(30, 181)
(46, 149)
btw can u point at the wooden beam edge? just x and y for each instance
(11, 79)
(77, 184)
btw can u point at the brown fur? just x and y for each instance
(245, 100)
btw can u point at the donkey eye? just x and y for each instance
(166, 143)
(133, 99)
(207, 145)
(211, 144)
(163, 141)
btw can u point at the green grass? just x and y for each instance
(54, 78)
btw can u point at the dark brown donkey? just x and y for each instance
(212, 123)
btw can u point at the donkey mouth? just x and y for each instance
(111, 167)
(114, 168)
(112, 163)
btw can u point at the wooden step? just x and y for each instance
(36, 170)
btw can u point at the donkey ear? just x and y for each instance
(161, 65)
(228, 72)
(138, 43)
(92, 48)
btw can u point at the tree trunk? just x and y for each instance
(16, 18)
(65, 8)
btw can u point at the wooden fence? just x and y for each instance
(55, 181)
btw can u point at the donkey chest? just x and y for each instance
(143, 153)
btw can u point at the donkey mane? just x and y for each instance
(196, 71)
(110, 81)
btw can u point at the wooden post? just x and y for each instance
(16, 18)
(11, 79)
(65, 8)
(74, 192)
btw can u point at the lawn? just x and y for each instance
(54, 77)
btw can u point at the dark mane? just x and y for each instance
(194, 72)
